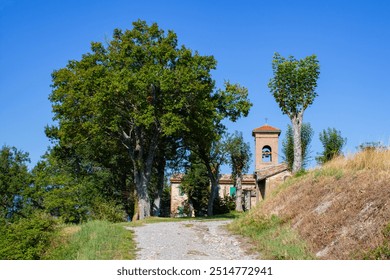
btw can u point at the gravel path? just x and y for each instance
(189, 240)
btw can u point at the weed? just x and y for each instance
(95, 240)
(328, 172)
(273, 237)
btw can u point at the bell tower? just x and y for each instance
(266, 146)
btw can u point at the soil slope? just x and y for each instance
(341, 209)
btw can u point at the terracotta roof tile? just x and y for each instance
(267, 128)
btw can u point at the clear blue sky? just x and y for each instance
(350, 38)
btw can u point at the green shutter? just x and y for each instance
(233, 191)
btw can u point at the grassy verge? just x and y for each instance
(101, 240)
(95, 240)
(272, 237)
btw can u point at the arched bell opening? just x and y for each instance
(266, 154)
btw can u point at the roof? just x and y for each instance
(266, 129)
(270, 171)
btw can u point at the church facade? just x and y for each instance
(267, 175)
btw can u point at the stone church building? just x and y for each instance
(268, 173)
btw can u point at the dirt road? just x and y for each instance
(189, 240)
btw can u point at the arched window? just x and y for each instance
(266, 154)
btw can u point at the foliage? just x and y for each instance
(26, 238)
(94, 240)
(293, 87)
(239, 156)
(294, 82)
(332, 142)
(165, 209)
(107, 211)
(75, 194)
(134, 97)
(288, 144)
(14, 181)
(272, 237)
(224, 205)
(196, 184)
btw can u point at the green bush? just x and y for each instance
(224, 205)
(333, 142)
(108, 211)
(27, 238)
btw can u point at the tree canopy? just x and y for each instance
(332, 142)
(14, 181)
(135, 96)
(293, 87)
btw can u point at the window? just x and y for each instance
(266, 154)
(233, 191)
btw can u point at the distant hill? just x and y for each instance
(341, 210)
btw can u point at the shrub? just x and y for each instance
(27, 238)
(333, 142)
(224, 205)
(108, 211)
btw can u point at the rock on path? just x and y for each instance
(189, 240)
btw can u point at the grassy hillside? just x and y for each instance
(340, 211)
(94, 240)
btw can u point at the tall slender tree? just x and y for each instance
(206, 142)
(333, 143)
(239, 156)
(293, 87)
(288, 145)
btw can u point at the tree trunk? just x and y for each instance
(160, 187)
(297, 127)
(214, 178)
(136, 212)
(238, 194)
(143, 202)
(143, 165)
(213, 195)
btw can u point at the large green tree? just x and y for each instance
(207, 130)
(293, 87)
(15, 180)
(74, 190)
(196, 184)
(130, 96)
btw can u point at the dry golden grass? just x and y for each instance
(371, 159)
(340, 209)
